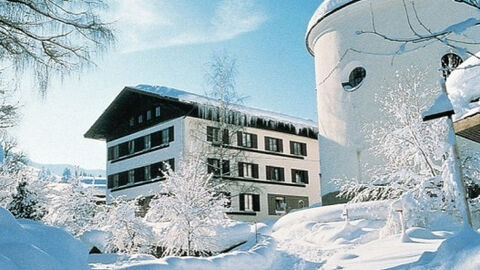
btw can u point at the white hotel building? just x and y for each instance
(145, 126)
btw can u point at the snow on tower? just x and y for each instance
(351, 68)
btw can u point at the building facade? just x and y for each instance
(269, 161)
(353, 67)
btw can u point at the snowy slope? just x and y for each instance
(28, 245)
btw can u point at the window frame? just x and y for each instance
(131, 177)
(273, 144)
(275, 173)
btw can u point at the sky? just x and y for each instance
(169, 43)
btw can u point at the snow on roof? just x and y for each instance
(192, 98)
(327, 7)
(463, 87)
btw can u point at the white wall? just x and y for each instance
(341, 114)
(174, 150)
(196, 128)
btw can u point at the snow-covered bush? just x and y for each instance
(129, 233)
(71, 206)
(191, 206)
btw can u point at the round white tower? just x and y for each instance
(351, 68)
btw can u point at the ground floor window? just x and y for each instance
(279, 204)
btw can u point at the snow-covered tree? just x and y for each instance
(71, 206)
(25, 202)
(413, 152)
(129, 233)
(190, 207)
(66, 175)
(46, 175)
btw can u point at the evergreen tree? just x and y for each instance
(24, 203)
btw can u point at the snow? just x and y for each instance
(262, 256)
(440, 106)
(27, 245)
(205, 104)
(321, 238)
(327, 7)
(463, 86)
(96, 238)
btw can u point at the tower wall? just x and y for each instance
(338, 49)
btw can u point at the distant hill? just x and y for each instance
(59, 168)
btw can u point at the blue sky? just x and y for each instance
(169, 43)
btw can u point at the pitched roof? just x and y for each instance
(196, 99)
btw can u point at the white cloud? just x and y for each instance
(148, 24)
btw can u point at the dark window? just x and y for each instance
(123, 149)
(298, 148)
(139, 144)
(116, 180)
(156, 138)
(213, 134)
(132, 121)
(146, 173)
(140, 118)
(110, 181)
(110, 153)
(149, 115)
(122, 178)
(131, 176)
(139, 174)
(162, 137)
(249, 202)
(281, 204)
(248, 170)
(247, 140)
(131, 147)
(147, 141)
(275, 173)
(116, 152)
(355, 79)
(273, 144)
(214, 166)
(450, 61)
(299, 176)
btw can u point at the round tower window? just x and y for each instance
(355, 79)
(450, 61)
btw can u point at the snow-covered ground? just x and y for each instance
(320, 238)
(314, 238)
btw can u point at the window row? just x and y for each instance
(145, 116)
(250, 140)
(146, 173)
(277, 204)
(250, 170)
(159, 138)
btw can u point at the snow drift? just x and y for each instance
(261, 257)
(28, 245)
